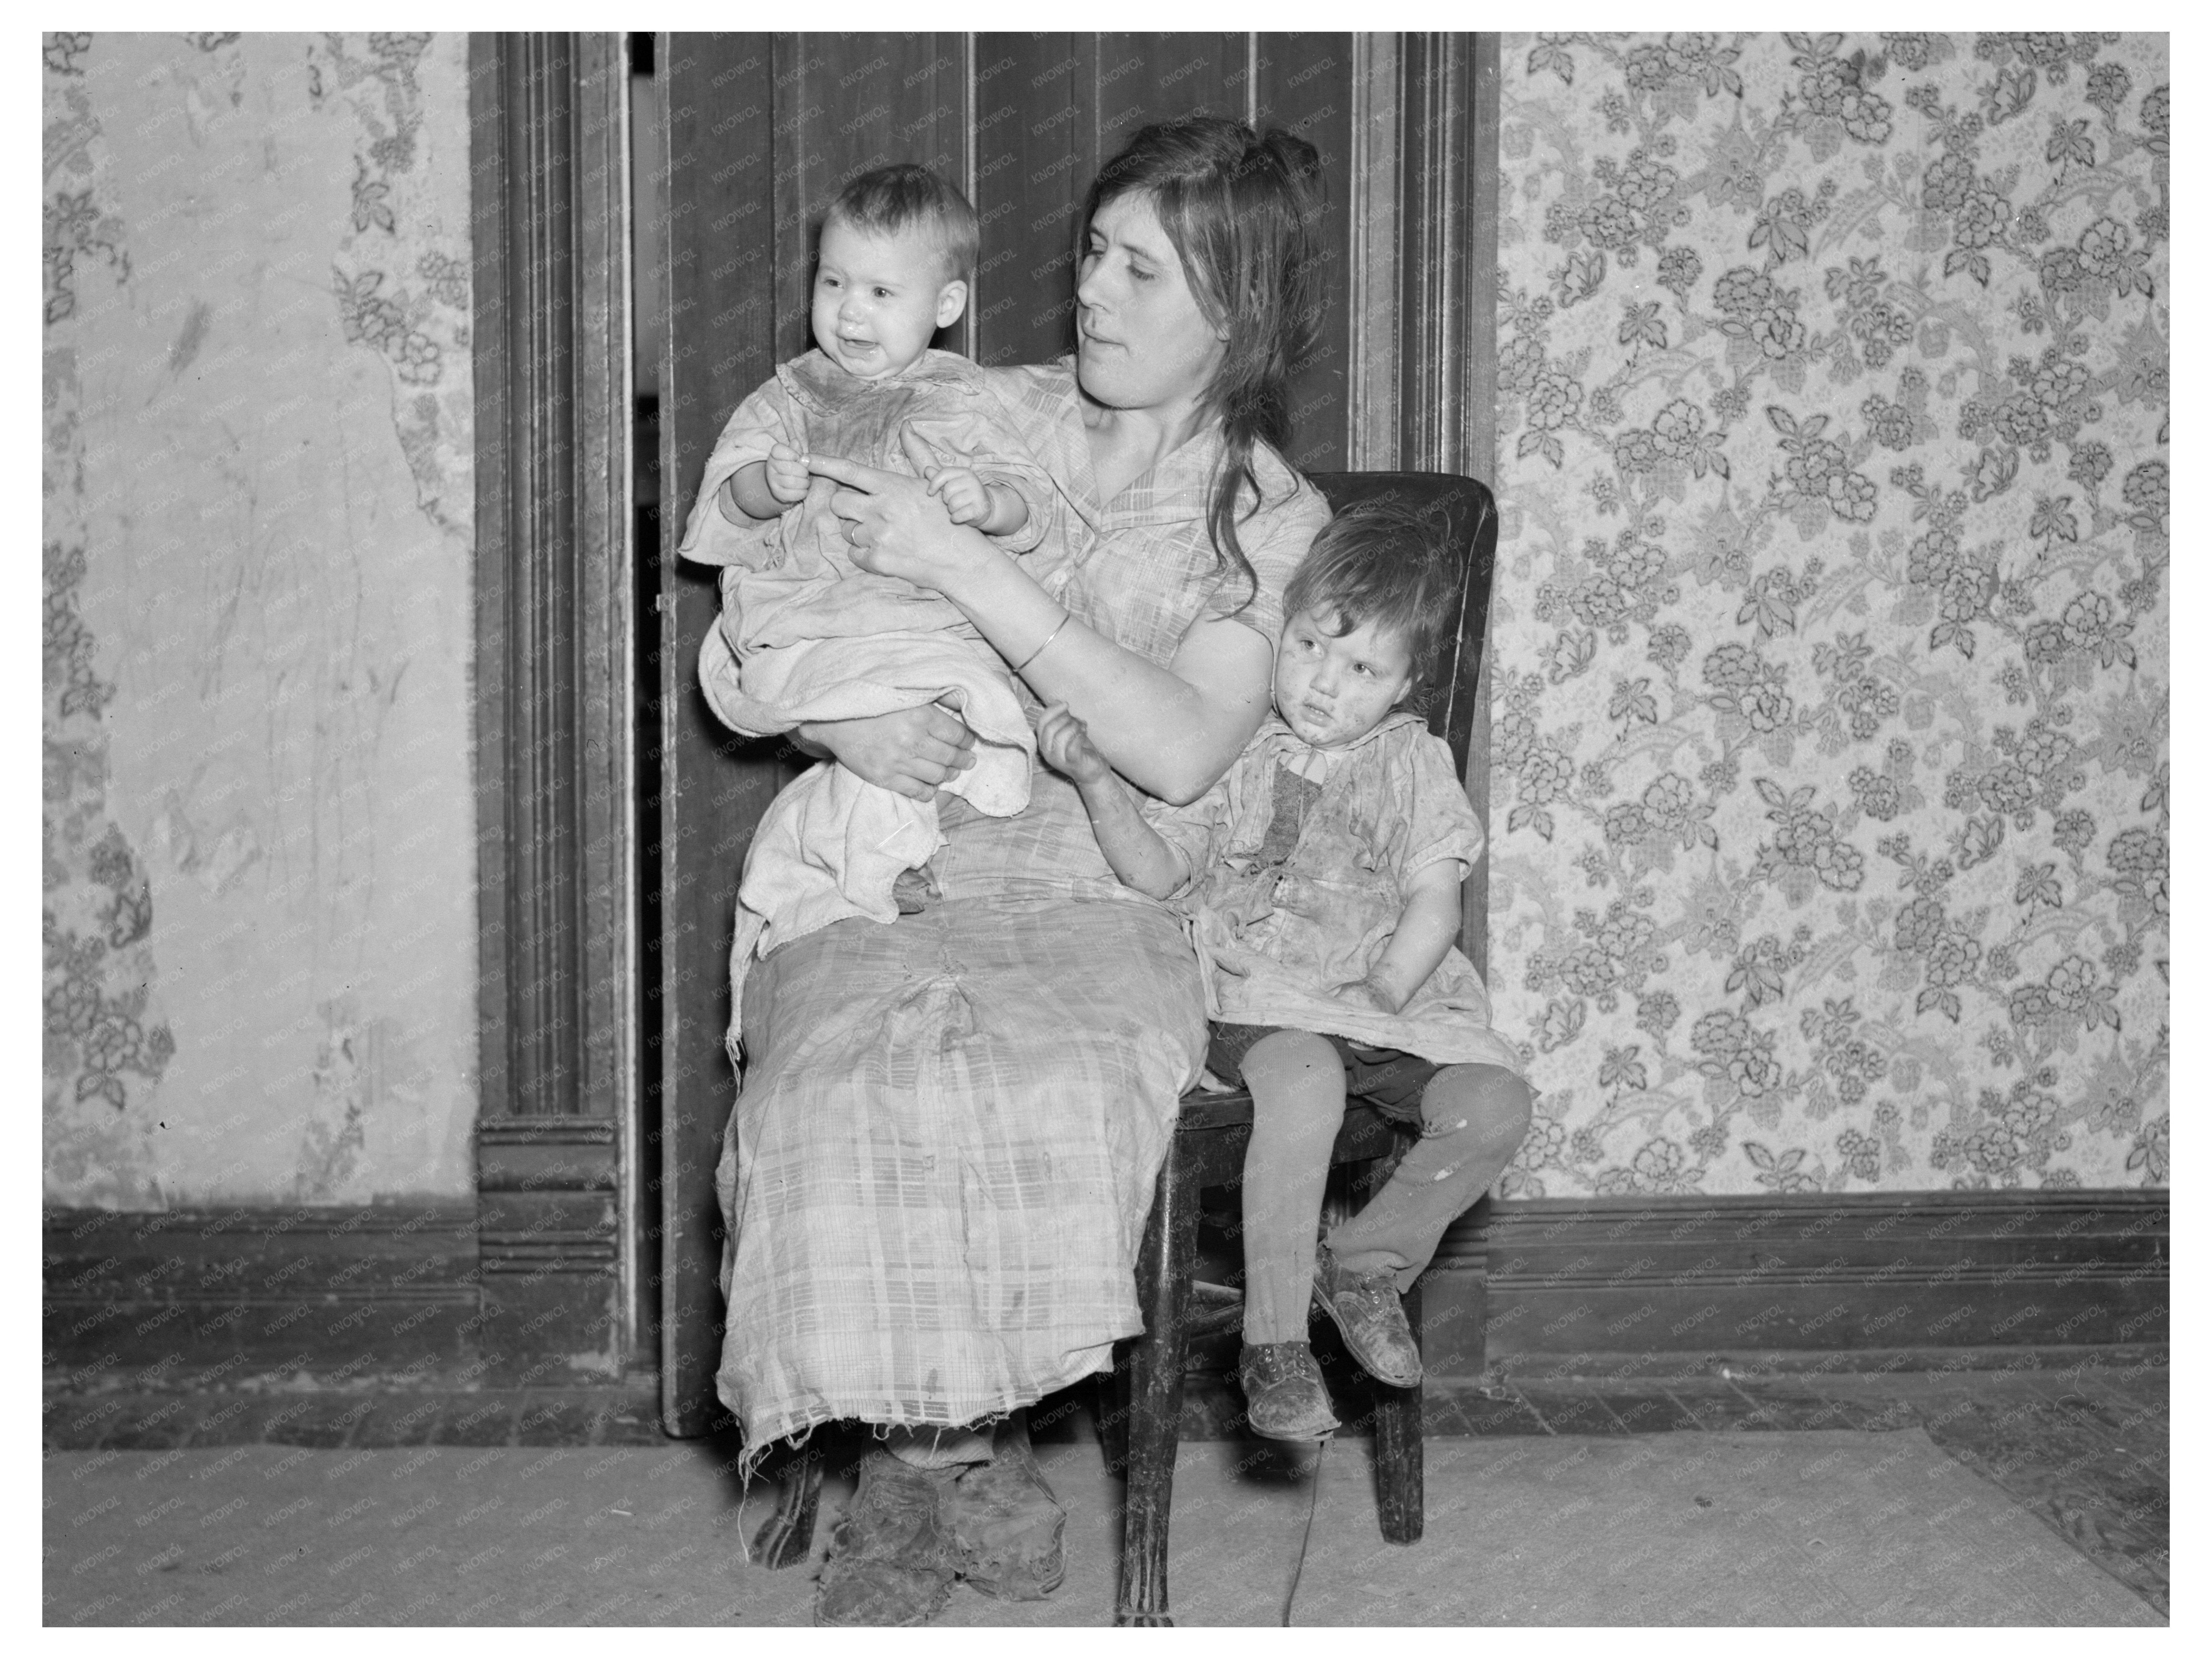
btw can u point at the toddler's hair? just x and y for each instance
(904, 197)
(1381, 562)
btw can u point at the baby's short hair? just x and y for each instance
(1381, 562)
(891, 200)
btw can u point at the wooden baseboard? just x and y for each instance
(1876, 1272)
(381, 1292)
(546, 1223)
(410, 1293)
(515, 1288)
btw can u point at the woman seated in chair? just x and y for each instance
(943, 1153)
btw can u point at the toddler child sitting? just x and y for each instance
(1322, 878)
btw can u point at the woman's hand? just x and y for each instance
(913, 752)
(1065, 743)
(893, 525)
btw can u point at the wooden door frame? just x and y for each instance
(1424, 297)
(557, 1117)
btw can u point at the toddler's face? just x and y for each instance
(877, 299)
(1334, 688)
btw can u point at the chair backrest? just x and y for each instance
(1471, 517)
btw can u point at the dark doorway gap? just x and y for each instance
(646, 741)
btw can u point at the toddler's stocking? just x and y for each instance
(1297, 1105)
(1473, 1118)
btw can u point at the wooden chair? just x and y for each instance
(1145, 1390)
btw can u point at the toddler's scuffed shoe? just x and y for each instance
(1284, 1397)
(1367, 1310)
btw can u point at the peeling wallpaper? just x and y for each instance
(1830, 823)
(260, 934)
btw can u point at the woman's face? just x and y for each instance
(1141, 340)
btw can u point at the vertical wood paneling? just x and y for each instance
(845, 104)
(603, 621)
(1436, 108)
(488, 214)
(553, 622)
(1150, 78)
(1373, 287)
(542, 930)
(1481, 418)
(1437, 111)
(719, 344)
(1305, 87)
(1033, 114)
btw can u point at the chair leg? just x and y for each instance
(1156, 1361)
(1111, 1403)
(1398, 1495)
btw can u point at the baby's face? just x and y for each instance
(877, 299)
(1334, 688)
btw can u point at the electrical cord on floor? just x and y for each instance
(1290, 1595)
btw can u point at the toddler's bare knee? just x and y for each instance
(1287, 1051)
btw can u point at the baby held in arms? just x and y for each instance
(805, 633)
(1321, 877)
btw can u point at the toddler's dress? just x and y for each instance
(1296, 887)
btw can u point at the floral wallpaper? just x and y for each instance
(258, 876)
(1829, 818)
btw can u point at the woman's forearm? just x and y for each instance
(1170, 730)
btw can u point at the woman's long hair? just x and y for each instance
(1243, 212)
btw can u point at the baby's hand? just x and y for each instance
(787, 477)
(966, 496)
(1064, 742)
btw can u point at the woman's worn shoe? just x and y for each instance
(1367, 1310)
(890, 1557)
(1006, 1526)
(1285, 1398)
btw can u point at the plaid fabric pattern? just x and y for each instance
(941, 1169)
(941, 1159)
(1147, 570)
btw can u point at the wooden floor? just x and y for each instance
(2083, 1446)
